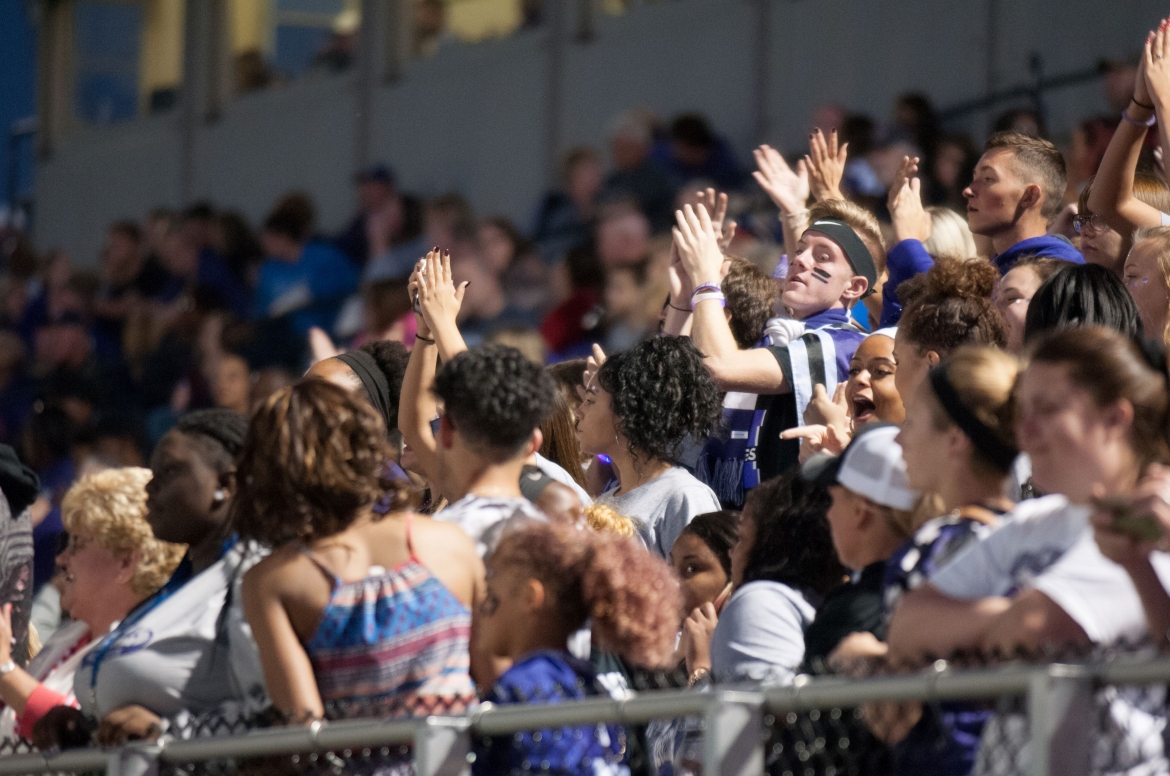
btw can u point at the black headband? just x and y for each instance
(374, 381)
(985, 440)
(855, 251)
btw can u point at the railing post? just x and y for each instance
(733, 742)
(1060, 720)
(441, 747)
(134, 760)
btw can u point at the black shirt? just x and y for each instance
(852, 608)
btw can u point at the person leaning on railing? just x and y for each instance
(110, 563)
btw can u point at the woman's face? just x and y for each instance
(1013, 294)
(1067, 436)
(503, 615)
(742, 550)
(1147, 285)
(923, 445)
(699, 570)
(89, 573)
(913, 364)
(181, 503)
(1101, 246)
(595, 421)
(844, 518)
(871, 392)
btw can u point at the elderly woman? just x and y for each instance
(111, 563)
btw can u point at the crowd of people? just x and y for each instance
(742, 427)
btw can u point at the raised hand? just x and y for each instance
(787, 189)
(826, 163)
(439, 300)
(698, 245)
(697, 631)
(1156, 66)
(716, 205)
(818, 439)
(826, 411)
(910, 219)
(592, 364)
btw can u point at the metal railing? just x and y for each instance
(1057, 699)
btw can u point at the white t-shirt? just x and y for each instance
(187, 654)
(1047, 544)
(664, 506)
(483, 518)
(558, 473)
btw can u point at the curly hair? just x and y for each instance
(793, 544)
(391, 358)
(661, 392)
(495, 398)
(750, 293)
(219, 435)
(311, 463)
(719, 531)
(951, 306)
(630, 595)
(606, 519)
(110, 506)
(1083, 295)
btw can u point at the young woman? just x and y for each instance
(186, 648)
(111, 563)
(344, 586)
(701, 557)
(781, 566)
(947, 307)
(1147, 277)
(1092, 416)
(1014, 292)
(1101, 242)
(638, 410)
(544, 583)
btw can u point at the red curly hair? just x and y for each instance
(631, 595)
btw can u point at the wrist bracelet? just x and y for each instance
(704, 288)
(424, 339)
(676, 307)
(710, 297)
(1141, 104)
(795, 214)
(1147, 123)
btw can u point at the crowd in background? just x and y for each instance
(893, 398)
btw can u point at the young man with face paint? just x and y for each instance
(833, 269)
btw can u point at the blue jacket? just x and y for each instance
(324, 274)
(1047, 246)
(905, 260)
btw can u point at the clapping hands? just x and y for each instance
(911, 221)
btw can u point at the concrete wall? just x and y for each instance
(474, 118)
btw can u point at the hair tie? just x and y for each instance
(855, 251)
(982, 436)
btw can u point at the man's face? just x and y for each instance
(818, 276)
(995, 193)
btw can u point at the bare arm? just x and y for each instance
(1032, 620)
(755, 370)
(930, 623)
(788, 190)
(440, 301)
(287, 670)
(1156, 68)
(416, 404)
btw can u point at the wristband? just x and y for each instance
(708, 297)
(7, 668)
(794, 214)
(1147, 123)
(424, 339)
(1141, 104)
(705, 288)
(676, 307)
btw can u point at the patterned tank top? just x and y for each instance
(395, 643)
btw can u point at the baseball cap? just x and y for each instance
(871, 466)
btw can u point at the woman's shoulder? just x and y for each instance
(763, 595)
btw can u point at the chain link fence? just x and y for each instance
(1099, 712)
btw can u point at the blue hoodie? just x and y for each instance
(1048, 246)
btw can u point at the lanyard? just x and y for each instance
(183, 574)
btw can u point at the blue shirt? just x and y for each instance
(905, 260)
(1048, 246)
(323, 274)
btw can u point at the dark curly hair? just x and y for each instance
(629, 594)
(391, 358)
(218, 433)
(793, 544)
(1083, 295)
(750, 293)
(719, 531)
(495, 398)
(661, 392)
(951, 305)
(312, 461)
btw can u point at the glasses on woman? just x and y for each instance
(71, 543)
(1091, 220)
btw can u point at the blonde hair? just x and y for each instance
(110, 506)
(949, 235)
(605, 519)
(859, 220)
(1159, 237)
(985, 380)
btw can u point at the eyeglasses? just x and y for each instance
(1004, 303)
(72, 543)
(1093, 220)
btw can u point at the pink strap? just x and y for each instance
(39, 702)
